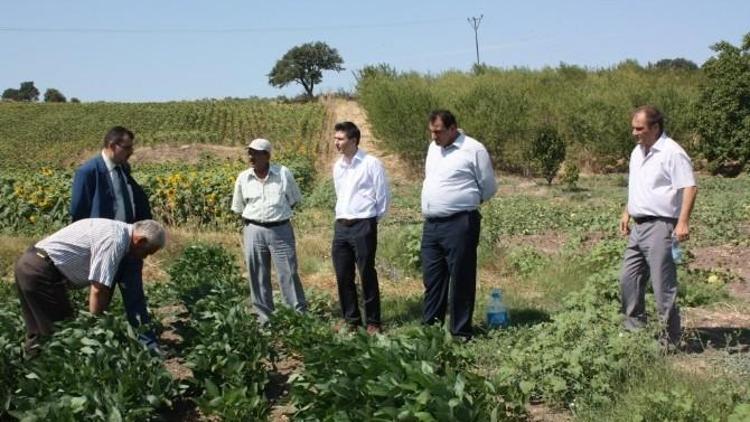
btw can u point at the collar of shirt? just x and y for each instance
(272, 168)
(457, 143)
(108, 162)
(358, 157)
(658, 145)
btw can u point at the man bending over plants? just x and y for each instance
(104, 188)
(86, 253)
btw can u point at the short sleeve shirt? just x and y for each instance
(266, 201)
(657, 179)
(89, 250)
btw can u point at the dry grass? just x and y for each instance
(11, 247)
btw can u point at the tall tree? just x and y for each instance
(674, 64)
(51, 95)
(10, 94)
(304, 64)
(28, 92)
(724, 108)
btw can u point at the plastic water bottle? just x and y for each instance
(676, 251)
(497, 315)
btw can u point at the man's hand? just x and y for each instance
(682, 231)
(625, 223)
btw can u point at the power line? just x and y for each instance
(225, 30)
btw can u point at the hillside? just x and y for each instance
(35, 135)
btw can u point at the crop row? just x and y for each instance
(94, 368)
(49, 133)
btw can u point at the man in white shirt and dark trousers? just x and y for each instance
(264, 195)
(661, 194)
(362, 199)
(458, 177)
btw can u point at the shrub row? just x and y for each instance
(506, 109)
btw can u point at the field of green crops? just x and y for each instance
(36, 135)
(554, 251)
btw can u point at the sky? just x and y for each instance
(169, 50)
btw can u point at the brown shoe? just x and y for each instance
(373, 329)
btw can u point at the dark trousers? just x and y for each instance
(355, 243)
(43, 294)
(449, 269)
(130, 281)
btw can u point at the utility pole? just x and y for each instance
(474, 22)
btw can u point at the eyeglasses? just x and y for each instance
(126, 147)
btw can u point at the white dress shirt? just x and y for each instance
(657, 179)
(361, 187)
(266, 201)
(458, 177)
(114, 176)
(88, 250)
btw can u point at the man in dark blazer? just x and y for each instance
(104, 188)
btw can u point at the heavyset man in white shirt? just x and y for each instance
(264, 196)
(458, 177)
(362, 199)
(85, 253)
(661, 194)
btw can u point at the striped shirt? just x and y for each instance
(88, 250)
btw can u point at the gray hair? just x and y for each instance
(153, 231)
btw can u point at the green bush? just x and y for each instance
(504, 109)
(570, 175)
(399, 117)
(724, 108)
(547, 152)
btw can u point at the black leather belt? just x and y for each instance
(265, 224)
(448, 217)
(647, 218)
(350, 222)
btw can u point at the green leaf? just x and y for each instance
(211, 389)
(527, 387)
(78, 403)
(114, 415)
